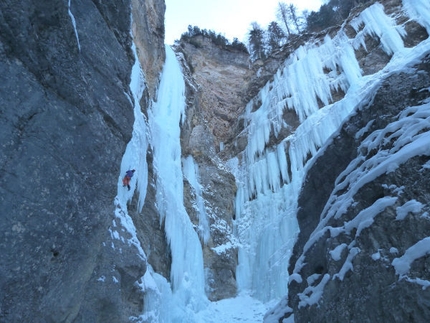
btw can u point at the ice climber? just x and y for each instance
(127, 178)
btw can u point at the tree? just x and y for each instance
(215, 38)
(275, 35)
(236, 44)
(196, 31)
(256, 41)
(342, 7)
(324, 18)
(292, 12)
(305, 15)
(282, 14)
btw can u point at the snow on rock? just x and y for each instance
(394, 250)
(347, 265)
(275, 313)
(365, 218)
(409, 140)
(223, 248)
(376, 256)
(412, 206)
(424, 283)
(312, 294)
(426, 166)
(337, 252)
(402, 264)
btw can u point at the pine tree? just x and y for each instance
(275, 35)
(324, 18)
(283, 16)
(292, 13)
(256, 41)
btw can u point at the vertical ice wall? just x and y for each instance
(270, 175)
(179, 300)
(134, 158)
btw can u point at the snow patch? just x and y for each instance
(365, 218)
(425, 166)
(223, 248)
(376, 255)
(394, 250)
(412, 206)
(347, 265)
(336, 253)
(312, 294)
(402, 265)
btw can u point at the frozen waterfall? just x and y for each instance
(184, 295)
(269, 174)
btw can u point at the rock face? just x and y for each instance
(148, 33)
(370, 289)
(65, 118)
(222, 79)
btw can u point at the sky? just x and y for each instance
(231, 18)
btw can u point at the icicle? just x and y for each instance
(379, 24)
(418, 10)
(72, 17)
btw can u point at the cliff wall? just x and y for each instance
(65, 118)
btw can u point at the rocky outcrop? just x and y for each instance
(148, 33)
(65, 118)
(222, 78)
